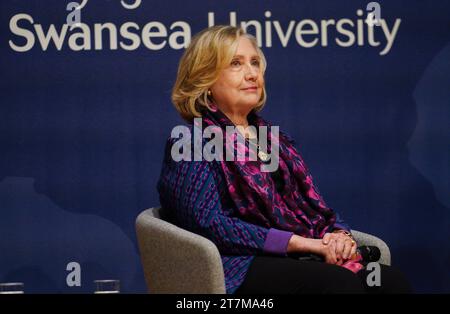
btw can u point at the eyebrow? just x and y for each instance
(241, 56)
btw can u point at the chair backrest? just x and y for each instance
(176, 260)
(154, 212)
(368, 239)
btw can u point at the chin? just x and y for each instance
(251, 102)
(250, 106)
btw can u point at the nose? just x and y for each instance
(250, 73)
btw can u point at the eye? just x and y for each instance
(256, 62)
(235, 63)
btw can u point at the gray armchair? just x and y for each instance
(178, 261)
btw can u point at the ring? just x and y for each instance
(353, 242)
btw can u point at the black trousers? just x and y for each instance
(286, 275)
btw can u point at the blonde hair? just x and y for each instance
(210, 51)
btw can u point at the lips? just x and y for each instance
(251, 88)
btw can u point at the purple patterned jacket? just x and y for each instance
(196, 198)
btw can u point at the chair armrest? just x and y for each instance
(176, 260)
(368, 239)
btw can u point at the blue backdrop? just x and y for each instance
(83, 121)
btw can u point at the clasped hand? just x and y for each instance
(337, 248)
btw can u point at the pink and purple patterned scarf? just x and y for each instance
(298, 207)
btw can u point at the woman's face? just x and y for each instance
(239, 86)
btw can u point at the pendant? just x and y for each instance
(263, 156)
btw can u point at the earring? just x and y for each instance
(212, 107)
(209, 92)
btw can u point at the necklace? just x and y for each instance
(263, 156)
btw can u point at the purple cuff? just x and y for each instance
(277, 241)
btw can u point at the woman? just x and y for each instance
(273, 230)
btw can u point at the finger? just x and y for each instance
(340, 243)
(339, 255)
(326, 254)
(332, 252)
(347, 249)
(326, 238)
(354, 249)
(330, 260)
